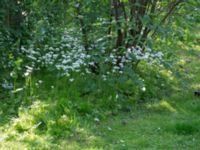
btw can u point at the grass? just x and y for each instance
(57, 119)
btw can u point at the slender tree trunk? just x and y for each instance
(138, 9)
(83, 27)
(117, 8)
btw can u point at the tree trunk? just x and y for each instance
(117, 9)
(83, 27)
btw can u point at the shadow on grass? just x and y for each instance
(9, 107)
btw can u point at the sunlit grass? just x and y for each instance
(57, 119)
(162, 106)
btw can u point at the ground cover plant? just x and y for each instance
(112, 74)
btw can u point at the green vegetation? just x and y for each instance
(66, 84)
(172, 123)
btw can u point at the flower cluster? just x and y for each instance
(68, 56)
(145, 54)
(131, 56)
(28, 72)
(7, 85)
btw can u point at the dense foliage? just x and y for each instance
(113, 36)
(93, 58)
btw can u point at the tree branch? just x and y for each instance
(171, 8)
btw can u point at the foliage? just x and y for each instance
(67, 66)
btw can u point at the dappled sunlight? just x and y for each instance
(195, 85)
(114, 75)
(197, 47)
(40, 124)
(182, 62)
(162, 106)
(168, 74)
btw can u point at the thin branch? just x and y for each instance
(172, 7)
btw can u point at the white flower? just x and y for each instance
(40, 81)
(51, 48)
(7, 85)
(143, 89)
(64, 117)
(57, 49)
(104, 77)
(109, 129)
(117, 96)
(26, 74)
(71, 80)
(111, 56)
(32, 57)
(96, 120)
(17, 90)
